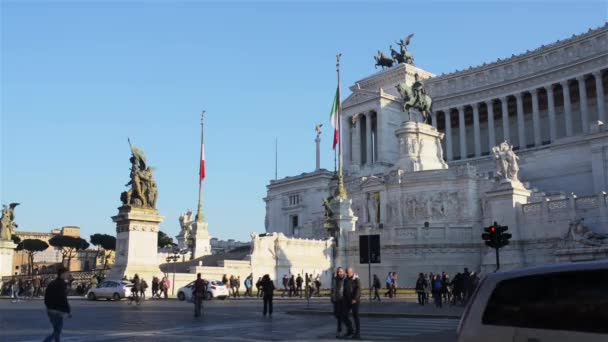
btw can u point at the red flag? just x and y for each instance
(202, 170)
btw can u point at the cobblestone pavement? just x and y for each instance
(239, 320)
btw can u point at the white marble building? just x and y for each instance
(431, 218)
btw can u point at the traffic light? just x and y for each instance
(490, 236)
(503, 238)
(495, 236)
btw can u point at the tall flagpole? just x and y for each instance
(341, 188)
(200, 217)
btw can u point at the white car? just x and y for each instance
(110, 289)
(215, 289)
(564, 302)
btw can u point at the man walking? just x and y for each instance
(421, 286)
(268, 293)
(376, 285)
(199, 294)
(248, 285)
(389, 285)
(285, 284)
(352, 297)
(56, 302)
(337, 299)
(299, 281)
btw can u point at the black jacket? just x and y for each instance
(268, 288)
(56, 296)
(352, 289)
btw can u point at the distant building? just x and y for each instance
(223, 246)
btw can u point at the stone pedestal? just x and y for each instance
(346, 221)
(7, 248)
(419, 147)
(503, 203)
(136, 243)
(202, 239)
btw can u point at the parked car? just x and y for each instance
(216, 289)
(564, 302)
(110, 289)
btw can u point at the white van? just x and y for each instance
(563, 302)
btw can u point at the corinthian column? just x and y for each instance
(582, 90)
(491, 133)
(448, 134)
(476, 130)
(521, 131)
(536, 118)
(567, 107)
(462, 133)
(599, 90)
(551, 110)
(504, 101)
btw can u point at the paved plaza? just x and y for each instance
(231, 320)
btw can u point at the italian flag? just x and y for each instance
(334, 117)
(202, 170)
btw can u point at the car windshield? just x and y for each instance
(217, 283)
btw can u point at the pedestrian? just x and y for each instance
(230, 286)
(56, 302)
(199, 294)
(352, 297)
(167, 287)
(154, 286)
(429, 291)
(437, 288)
(299, 286)
(144, 287)
(376, 285)
(258, 286)
(307, 285)
(292, 285)
(248, 285)
(161, 287)
(36, 283)
(285, 285)
(337, 299)
(445, 289)
(421, 287)
(318, 285)
(456, 284)
(237, 281)
(394, 285)
(389, 285)
(15, 290)
(466, 285)
(136, 289)
(268, 291)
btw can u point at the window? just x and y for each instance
(293, 223)
(575, 301)
(294, 200)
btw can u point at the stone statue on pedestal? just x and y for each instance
(507, 167)
(7, 226)
(578, 232)
(403, 56)
(415, 96)
(143, 192)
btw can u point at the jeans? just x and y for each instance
(15, 292)
(354, 308)
(267, 305)
(376, 294)
(421, 298)
(56, 319)
(198, 304)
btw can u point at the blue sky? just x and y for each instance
(77, 79)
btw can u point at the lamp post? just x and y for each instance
(173, 257)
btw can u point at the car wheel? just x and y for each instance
(116, 296)
(181, 296)
(91, 296)
(208, 296)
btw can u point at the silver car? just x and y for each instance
(110, 289)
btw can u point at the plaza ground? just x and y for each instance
(229, 320)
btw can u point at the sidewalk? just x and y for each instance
(389, 308)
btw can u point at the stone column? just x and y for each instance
(368, 133)
(318, 152)
(551, 110)
(434, 119)
(491, 133)
(536, 118)
(521, 131)
(567, 107)
(462, 133)
(356, 145)
(599, 89)
(505, 118)
(448, 135)
(582, 90)
(476, 130)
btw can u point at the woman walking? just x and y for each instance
(268, 291)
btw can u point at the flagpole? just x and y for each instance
(341, 188)
(200, 217)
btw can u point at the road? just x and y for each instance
(230, 320)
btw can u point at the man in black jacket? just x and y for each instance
(56, 301)
(339, 302)
(352, 297)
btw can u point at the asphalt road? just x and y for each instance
(230, 320)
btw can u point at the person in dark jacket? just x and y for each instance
(268, 290)
(376, 285)
(337, 299)
(421, 287)
(352, 297)
(56, 302)
(437, 290)
(198, 292)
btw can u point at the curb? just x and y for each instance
(376, 314)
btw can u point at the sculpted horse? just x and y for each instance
(423, 103)
(383, 61)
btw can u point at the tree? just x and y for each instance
(164, 240)
(16, 239)
(69, 246)
(105, 242)
(31, 247)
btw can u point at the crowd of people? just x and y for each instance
(445, 290)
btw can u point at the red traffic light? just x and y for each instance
(493, 229)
